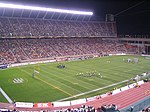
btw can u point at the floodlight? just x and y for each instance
(15, 6)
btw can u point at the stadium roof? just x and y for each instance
(35, 8)
(132, 16)
(37, 11)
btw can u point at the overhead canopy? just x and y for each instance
(24, 11)
(16, 6)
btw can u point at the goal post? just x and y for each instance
(37, 67)
(36, 70)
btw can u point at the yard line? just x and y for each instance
(88, 80)
(127, 68)
(5, 95)
(120, 66)
(113, 75)
(90, 83)
(49, 84)
(67, 80)
(56, 81)
(74, 79)
(54, 86)
(62, 84)
(93, 90)
(63, 79)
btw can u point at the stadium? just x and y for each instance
(71, 60)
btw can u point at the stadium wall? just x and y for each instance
(70, 58)
(66, 58)
(138, 106)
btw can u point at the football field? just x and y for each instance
(77, 78)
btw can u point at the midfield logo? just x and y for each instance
(18, 80)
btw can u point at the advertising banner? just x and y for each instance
(43, 105)
(24, 105)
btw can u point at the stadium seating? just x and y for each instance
(41, 39)
(16, 27)
(15, 50)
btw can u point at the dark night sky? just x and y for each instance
(134, 21)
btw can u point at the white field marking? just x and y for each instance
(60, 82)
(63, 84)
(73, 79)
(79, 81)
(128, 70)
(115, 77)
(105, 70)
(75, 83)
(18, 80)
(90, 83)
(115, 73)
(91, 79)
(5, 95)
(55, 81)
(132, 69)
(71, 82)
(21, 79)
(92, 90)
(49, 83)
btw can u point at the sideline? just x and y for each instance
(92, 91)
(5, 95)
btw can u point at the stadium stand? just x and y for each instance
(26, 39)
(23, 40)
(15, 50)
(16, 27)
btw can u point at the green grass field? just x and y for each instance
(53, 84)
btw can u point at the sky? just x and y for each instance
(132, 16)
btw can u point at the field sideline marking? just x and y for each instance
(54, 86)
(102, 87)
(69, 81)
(5, 95)
(92, 91)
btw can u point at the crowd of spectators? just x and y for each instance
(16, 27)
(147, 109)
(38, 39)
(108, 108)
(83, 108)
(89, 108)
(19, 49)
